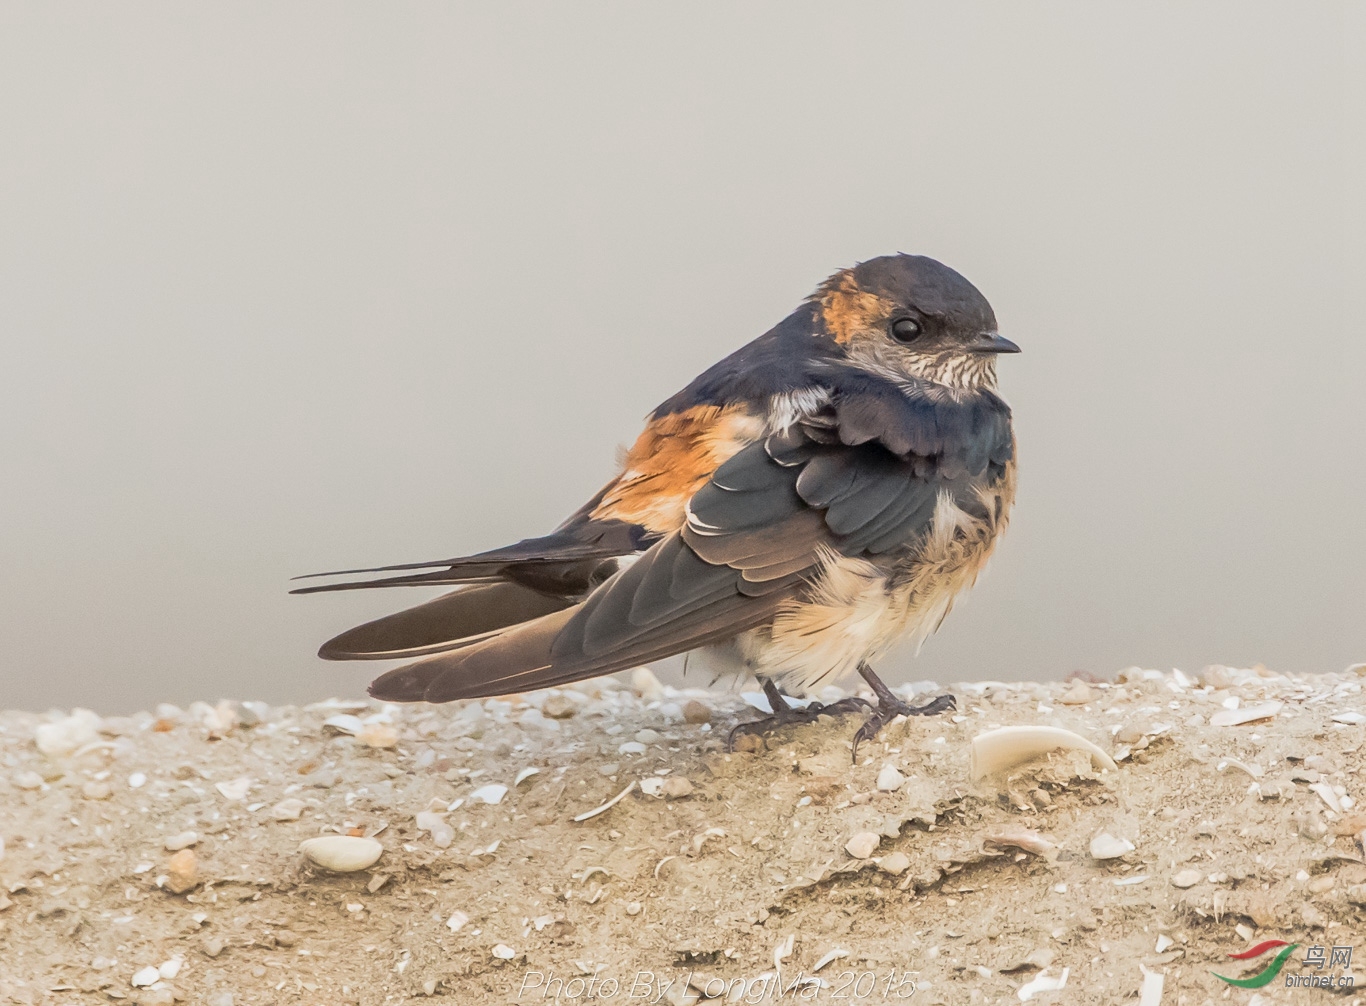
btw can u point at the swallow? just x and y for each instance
(817, 497)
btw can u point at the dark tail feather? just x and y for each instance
(464, 573)
(519, 659)
(456, 619)
(547, 563)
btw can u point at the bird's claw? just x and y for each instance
(784, 716)
(889, 707)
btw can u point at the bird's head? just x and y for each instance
(907, 316)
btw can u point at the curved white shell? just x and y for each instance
(342, 853)
(998, 750)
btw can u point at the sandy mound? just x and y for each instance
(1229, 820)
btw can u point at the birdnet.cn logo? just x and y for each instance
(1317, 957)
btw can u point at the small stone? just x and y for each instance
(890, 779)
(558, 707)
(342, 853)
(1187, 878)
(609, 768)
(28, 780)
(749, 743)
(647, 736)
(212, 946)
(182, 841)
(171, 968)
(696, 712)
(137, 780)
(633, 908)
(1313, 918)
(378, 735)
(182, 872)
(631, 748)
(1321, 885)
(220, 999)
(863, 844)
(504, 952)
(65, 736)
(1106, 846)
(676, 787)
(457, 921)
(896, 864)
(288, 809)
(377, 883)
(285, 938)
(97, 791)
(1356, 894)
(146, 976)
(1078, 694)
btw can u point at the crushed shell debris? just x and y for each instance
(1094, 840)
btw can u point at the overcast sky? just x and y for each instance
(287, 287)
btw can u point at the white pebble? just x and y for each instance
(147, 976)
(632, 748)
(647, 736)
(182, 841)
(28, 780)
(137, 780)
(171, 968)
(342, 853)
(1106, 846)
(863, 844)
(287, 810)
(890, 779)
(457, 921)
(65, 736)
(504, 952)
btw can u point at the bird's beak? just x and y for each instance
(994, 342)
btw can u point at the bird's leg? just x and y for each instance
(785, 715)
(889, 707)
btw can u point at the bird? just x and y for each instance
(815, 498)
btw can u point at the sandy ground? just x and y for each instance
(735, 874)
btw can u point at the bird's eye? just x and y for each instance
(906, 330)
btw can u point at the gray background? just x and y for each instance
(288, 287)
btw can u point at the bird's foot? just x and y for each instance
(785, 715)
(889, 707)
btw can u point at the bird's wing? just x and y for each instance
(860, 477)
